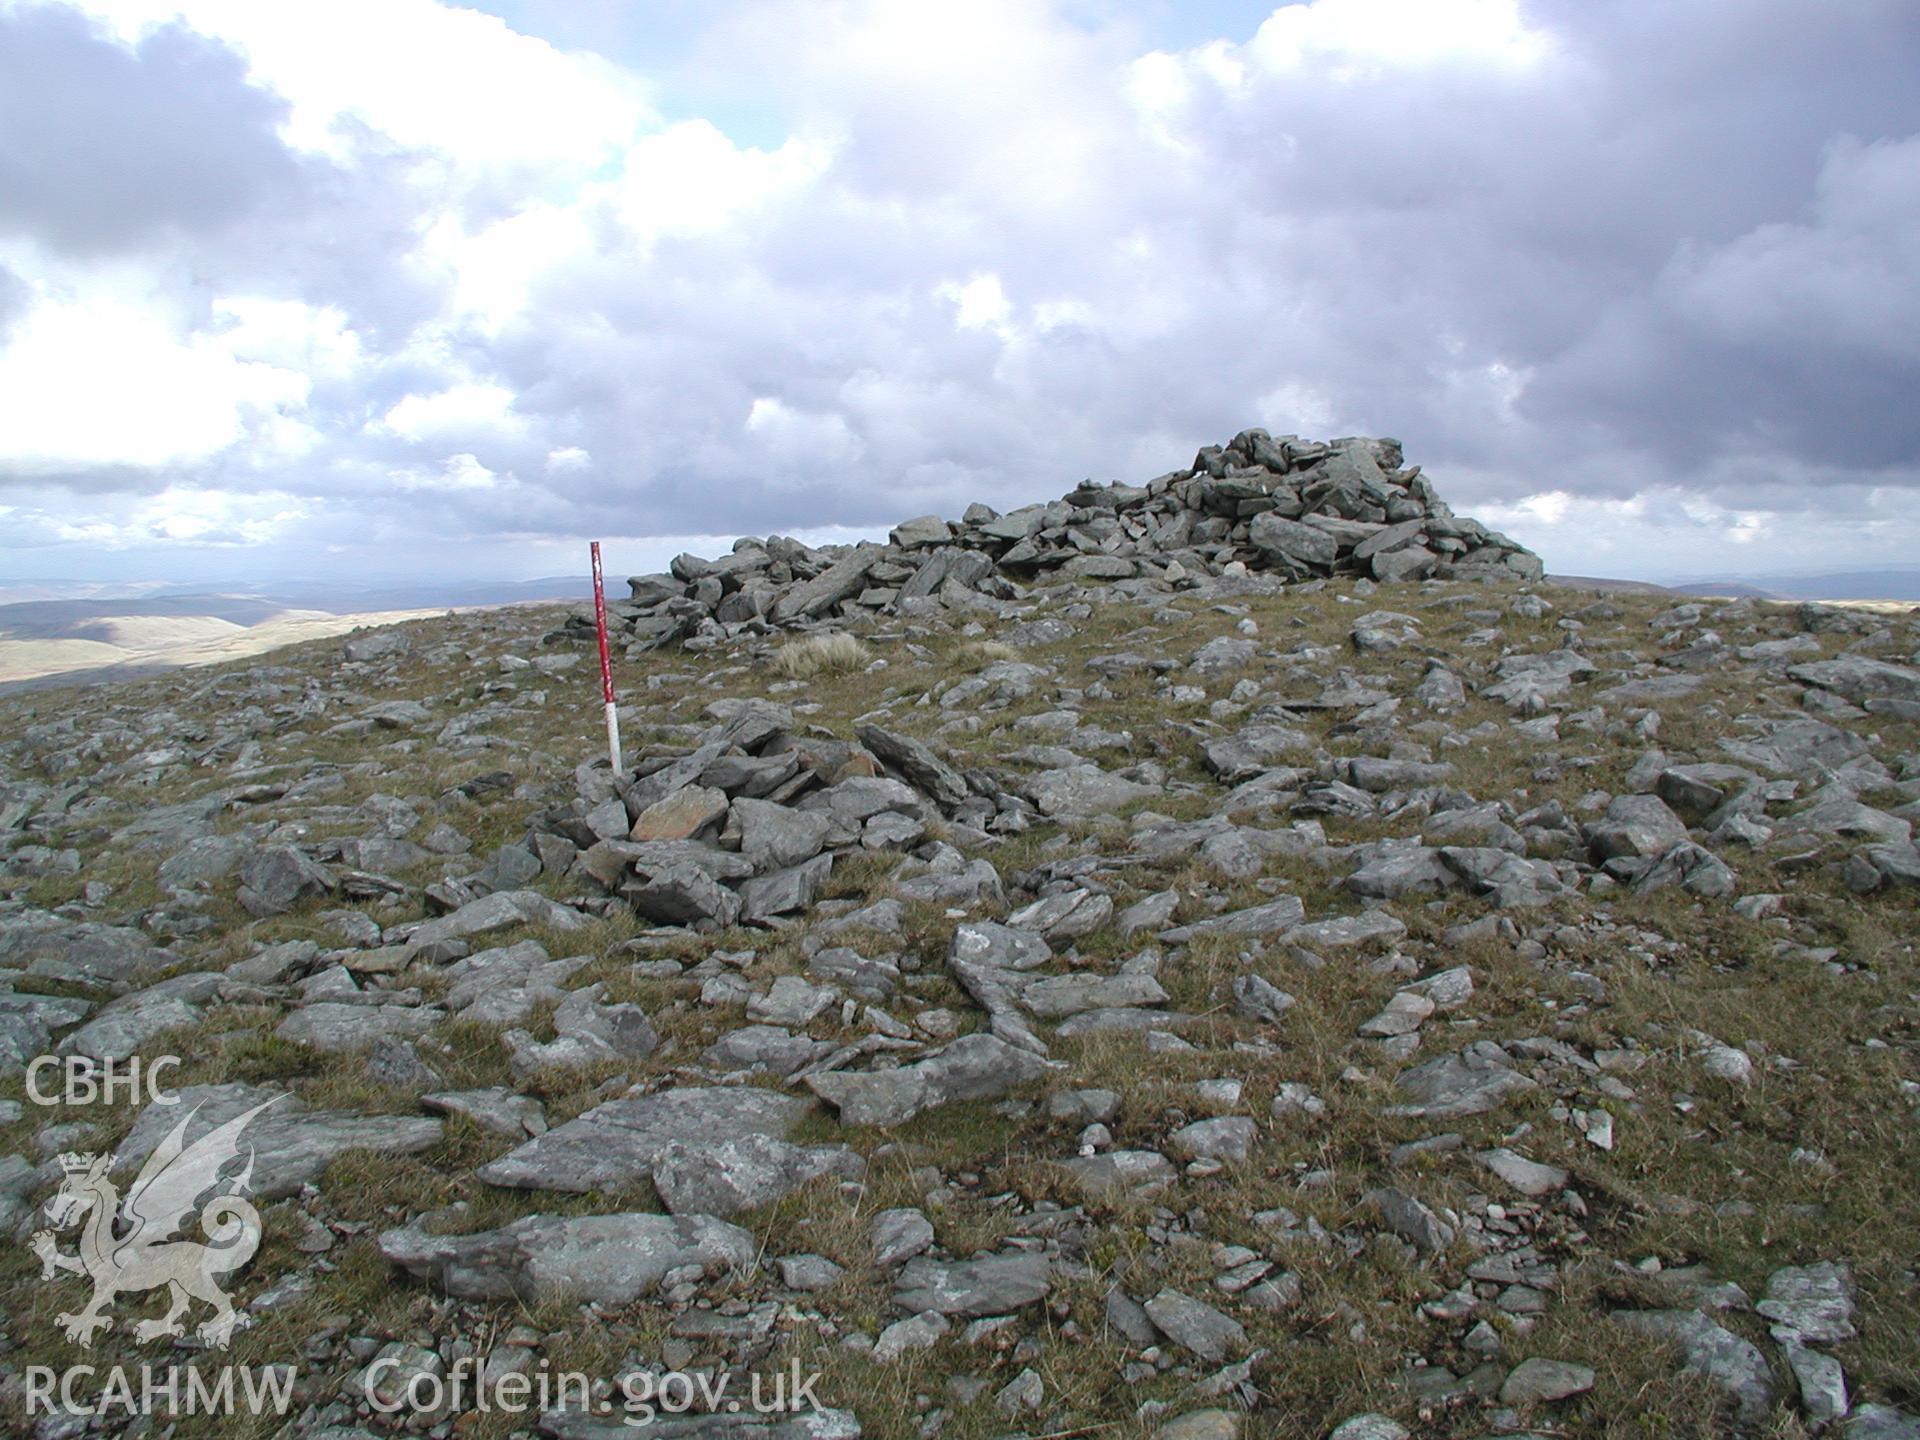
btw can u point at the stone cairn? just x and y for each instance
(742, 826)
(1297, 509)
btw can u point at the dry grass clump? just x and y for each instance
(822, 655)
(978, 654)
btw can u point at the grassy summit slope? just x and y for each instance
(1705, 1068)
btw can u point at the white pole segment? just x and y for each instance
(613, 737)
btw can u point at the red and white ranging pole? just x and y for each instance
(606, 665)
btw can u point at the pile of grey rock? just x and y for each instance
(1299, 509)
(742, 826)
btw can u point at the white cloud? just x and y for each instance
(495, 268)
(1300, 409)
(459, 411)
(314, 340)
(1356, 37)
(215, 517)
(790, 437)
(427, 75)
(186, 516)
(94, 382)
(690, 179)
(1002, 105)
(457, 475)
(1068, 312)
(978, 304)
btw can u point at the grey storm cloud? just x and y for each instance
(101, 144)
(1773, 312)
(1666, 248)
(1620, 226)
(15, 296)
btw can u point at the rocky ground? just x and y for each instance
(1168, 1004)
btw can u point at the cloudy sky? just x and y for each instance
(375, 287)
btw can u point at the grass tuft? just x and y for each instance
(822, 655)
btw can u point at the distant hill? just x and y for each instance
(41, 650)
(281, 593)
(1895, 584)
(1595, 582)
(1729, 590)
(95, 619)
(70, 633)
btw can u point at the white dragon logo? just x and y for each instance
(128, 1245)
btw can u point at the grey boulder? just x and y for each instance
(1636, 826)
(744, 1173)
(121, 1027)
(1712, 1350)
(1859, 678)
(784, 891)
(290, 1144)
(502, 910)
(1196, 1326)
(578, 1259)
(82, 953)
(989, 1285)
(1058, 996)
(1692, 868)
(1260, 922)
(1815, 1300)
(974, 1067)
(774, 837)
(916, 763)
(1290, 545)
(683, 895)
(274, 880)
(1478, 1079)
(1080, 791)
(616, 1144)
(334, 1028)
(1226, 1137)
